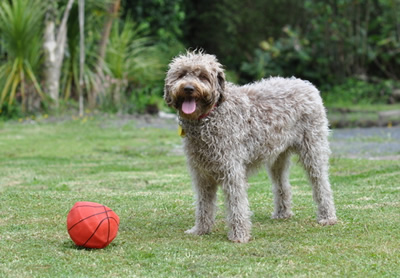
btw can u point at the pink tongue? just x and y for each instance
(189, 106)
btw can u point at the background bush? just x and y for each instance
(348, 48)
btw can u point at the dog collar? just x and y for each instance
(209, 112)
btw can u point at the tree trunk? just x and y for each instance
(51, 75)
(54, 54)
(81, 53)
(113, 12)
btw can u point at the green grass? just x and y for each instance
(361, 115)
(364, 107)
(141, 174)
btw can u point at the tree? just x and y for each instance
(112, 13)
(232, 29)
(81, 53)
(54, 46)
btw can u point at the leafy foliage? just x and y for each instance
(232, 29)
(342, 39)
(164, 17)
(21, 33)
(349, 48)
(165, 20)
(278, 57)
(132, 62)
(355, 91)
(343, 45)
(94, 14)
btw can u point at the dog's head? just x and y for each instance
(194, 84)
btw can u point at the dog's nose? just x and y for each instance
(188, 89)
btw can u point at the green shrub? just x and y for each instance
(286, 56)
(146, 100)
(355, 91)
(333, 41)
(12, 111)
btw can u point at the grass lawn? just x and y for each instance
(365, 115)
(45, 167)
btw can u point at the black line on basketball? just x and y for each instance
(98, 226)
(108, 222)
(88, 218)
(112, 218)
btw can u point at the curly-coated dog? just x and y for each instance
(230, 131)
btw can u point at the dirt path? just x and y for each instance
(371, 143)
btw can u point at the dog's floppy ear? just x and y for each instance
(167, 95)
(221, 86)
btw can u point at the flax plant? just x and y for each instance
(21, 35)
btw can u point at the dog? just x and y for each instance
(231, 131)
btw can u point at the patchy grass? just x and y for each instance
(141, 174)
(362, 115)
(364, 107)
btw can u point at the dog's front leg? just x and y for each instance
(206, 199)
(238, 212)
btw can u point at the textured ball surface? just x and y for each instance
(92, 225)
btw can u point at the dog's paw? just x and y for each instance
(239, 239)
(327, 221)
(282, 215)
(239, 236)
(196, 231)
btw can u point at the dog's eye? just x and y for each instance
(182, 74)
(203, 77)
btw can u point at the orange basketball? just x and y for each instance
(92, 225)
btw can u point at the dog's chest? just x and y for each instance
(213, 146)
(217, 146)
(206, 144)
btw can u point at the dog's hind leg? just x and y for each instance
(314, 154)
(279, 175)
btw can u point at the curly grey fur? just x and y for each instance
(235, 130)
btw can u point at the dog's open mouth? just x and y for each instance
(189, 106)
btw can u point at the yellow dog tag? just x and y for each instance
(181, 131)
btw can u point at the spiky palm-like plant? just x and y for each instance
(70, 80)
(21, 35)
(95, 11)
(131, 53)
(131, 59)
